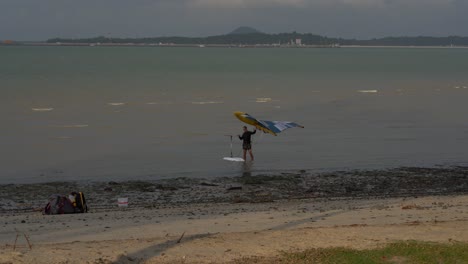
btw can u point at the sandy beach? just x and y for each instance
(224, 219)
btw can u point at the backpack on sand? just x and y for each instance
(79, 202)
(58, 205)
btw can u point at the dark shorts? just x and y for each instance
(246, 146)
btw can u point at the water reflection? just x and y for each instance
(247, 169)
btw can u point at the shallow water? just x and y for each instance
(102, 113)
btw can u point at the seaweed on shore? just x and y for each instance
(353, 184)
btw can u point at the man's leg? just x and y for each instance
(251, 155)
(245, 152)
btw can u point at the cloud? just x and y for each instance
(385, 3)
(246, 3)
(36, 20)
(366, 3)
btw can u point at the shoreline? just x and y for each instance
(354, 184)
(226, 219)
(260, 46)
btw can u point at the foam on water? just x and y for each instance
(42, 109)
(208, 102)
(367, 91)
(72, 126)
(116, 104)
(263, 100)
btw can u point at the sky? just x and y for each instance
(360, 19)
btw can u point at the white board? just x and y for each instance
(233, 159)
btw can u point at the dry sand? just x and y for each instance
(225, 229)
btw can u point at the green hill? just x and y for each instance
(251, 36)
(244, 30)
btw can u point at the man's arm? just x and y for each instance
(255, 131)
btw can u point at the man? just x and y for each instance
(246, 142)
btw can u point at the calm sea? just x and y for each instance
(117, 113)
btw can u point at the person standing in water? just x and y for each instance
(247, 142)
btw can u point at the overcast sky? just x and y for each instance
(363, 19)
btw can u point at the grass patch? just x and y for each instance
(407, 252)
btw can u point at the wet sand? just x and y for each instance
(223, 219)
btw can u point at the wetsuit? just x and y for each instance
(247, 143)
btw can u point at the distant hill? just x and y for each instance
(244, 30)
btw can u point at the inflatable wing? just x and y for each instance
(272, 127)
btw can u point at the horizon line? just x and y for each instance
(227, 34)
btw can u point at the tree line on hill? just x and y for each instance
(275, 39)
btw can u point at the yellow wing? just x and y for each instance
(248, 119)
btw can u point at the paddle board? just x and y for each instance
(233, 159)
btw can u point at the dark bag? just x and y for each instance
(59, 205)
(79, 202)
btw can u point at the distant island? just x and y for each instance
(248, 37)
(244, 30)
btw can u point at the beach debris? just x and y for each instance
(178, 240)
(26, 237)
(122, 202)
(397, 182)
(165, 188)
(412, 206)
(240, 199)
(208, 184)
